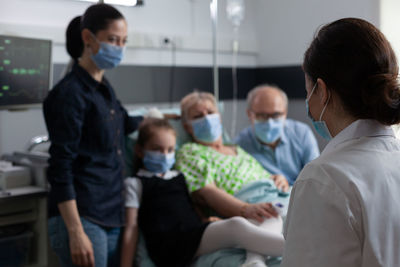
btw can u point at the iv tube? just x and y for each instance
(235, 49)
(235, 13)
(214, 18)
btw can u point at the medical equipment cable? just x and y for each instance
(172, 71)
(235, 13)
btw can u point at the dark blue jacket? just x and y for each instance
(87, 126)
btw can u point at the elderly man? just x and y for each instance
(283, 146)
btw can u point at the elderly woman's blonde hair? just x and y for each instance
(192, 99)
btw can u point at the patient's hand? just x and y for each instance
(281, 182)
(259, 211)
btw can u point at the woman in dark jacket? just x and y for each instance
(87, 125)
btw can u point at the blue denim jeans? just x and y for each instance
(105, 242)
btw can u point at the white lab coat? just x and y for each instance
(345, 206)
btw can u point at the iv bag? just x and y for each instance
(235, 11)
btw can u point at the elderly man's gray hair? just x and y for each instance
(253, 93)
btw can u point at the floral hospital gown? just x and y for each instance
(202, 165)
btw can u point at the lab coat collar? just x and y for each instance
(168, 175)
(357, 129)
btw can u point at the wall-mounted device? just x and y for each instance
(25, 71)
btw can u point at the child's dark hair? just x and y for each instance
(96, 18)
(149, 126)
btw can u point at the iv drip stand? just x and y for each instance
(214, 18)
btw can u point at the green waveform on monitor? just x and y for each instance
(7, 41)
(33, 71)
(1, 48)
(22, 71)
(6, 62)
(6, 87)
(1, 94)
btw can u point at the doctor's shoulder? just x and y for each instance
(337, 170)
(321, 169)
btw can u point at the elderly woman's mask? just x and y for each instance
(207, 129)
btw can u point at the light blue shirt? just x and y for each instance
(296, 148)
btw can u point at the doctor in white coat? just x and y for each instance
(345, 206)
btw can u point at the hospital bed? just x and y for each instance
(222, 258)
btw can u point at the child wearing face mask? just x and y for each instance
(158, 202)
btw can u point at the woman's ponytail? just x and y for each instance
(381, 98)
(74, 38)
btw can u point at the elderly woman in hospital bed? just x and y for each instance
(223, 177)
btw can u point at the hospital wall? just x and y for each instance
(286, 27)
(273, 37)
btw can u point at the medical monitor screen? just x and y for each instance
(25, 66)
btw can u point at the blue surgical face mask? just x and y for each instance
(207, 129)
(157, 162)
(108, 56)
(269, 131)
(319, 126)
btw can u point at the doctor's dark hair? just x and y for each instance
(96, 18)
(357, 62)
